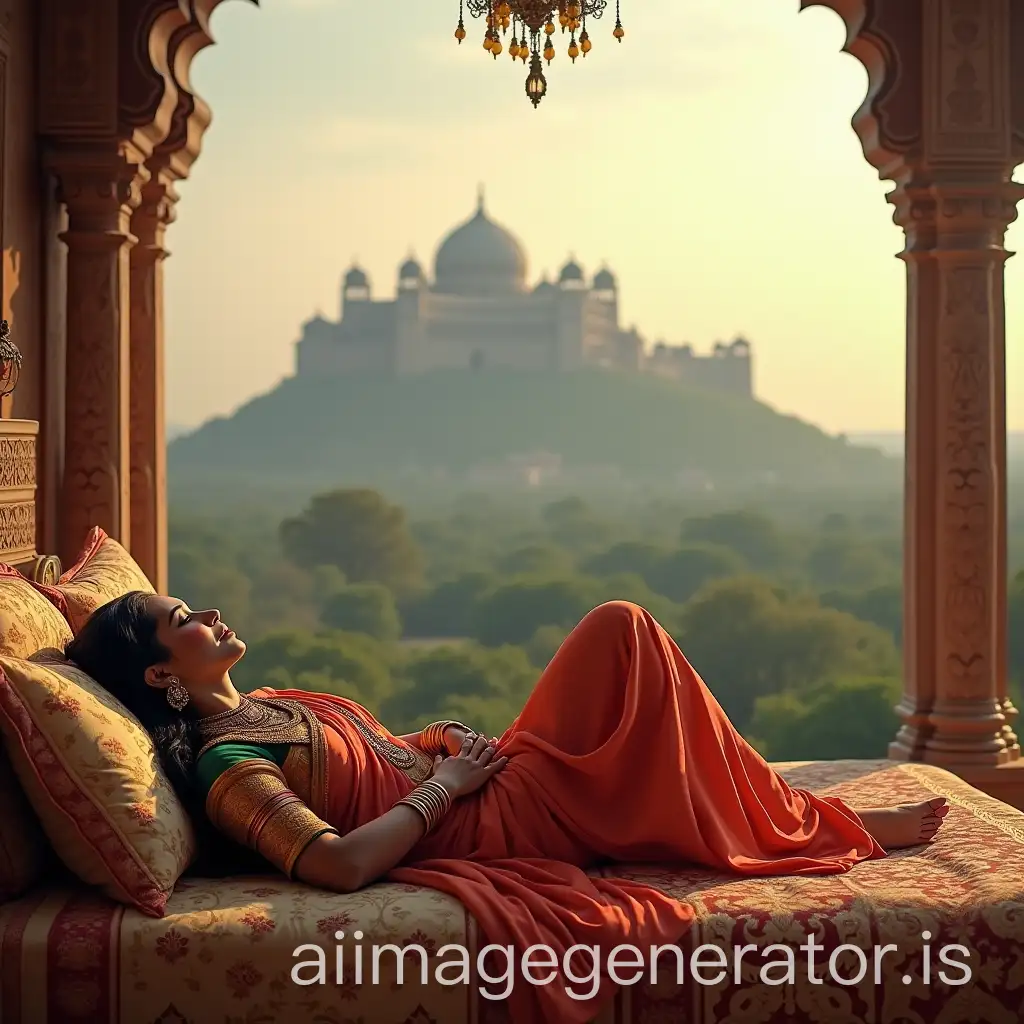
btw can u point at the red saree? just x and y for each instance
(620, 754)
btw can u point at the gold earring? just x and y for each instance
(177, 695)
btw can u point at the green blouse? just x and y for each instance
(220, 758)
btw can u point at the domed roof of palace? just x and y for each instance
(572, 271)
(480, 257)
(604, 280)
(318, 327)
(410, 268)
(356, 278)
(544, 286)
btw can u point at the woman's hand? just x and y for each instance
(474, 765)
(455, 736)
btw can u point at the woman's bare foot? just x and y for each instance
(906, 824)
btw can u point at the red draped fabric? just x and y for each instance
(620, 754)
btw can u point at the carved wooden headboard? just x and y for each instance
(18, 502)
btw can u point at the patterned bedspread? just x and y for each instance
(224, 952)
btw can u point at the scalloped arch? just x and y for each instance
(147, 92)
(191, 115)
(885, 38)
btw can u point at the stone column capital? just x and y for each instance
(100, 188)
(154, 214)
(956, 214)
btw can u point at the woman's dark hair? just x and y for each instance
(115, 647)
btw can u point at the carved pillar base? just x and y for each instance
(100, 191)
(148, 430)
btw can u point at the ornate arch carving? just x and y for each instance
(191, 116)
(147, 91)
(105, 76)
(886, 38)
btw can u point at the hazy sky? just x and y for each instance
(709, 159)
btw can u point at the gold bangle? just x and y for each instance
(431, 800)
(432, 737)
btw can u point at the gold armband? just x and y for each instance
(252, 804)
(432, 737)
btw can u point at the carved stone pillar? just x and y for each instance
(148, 449)
(939, 122)
(100, 193)
(954, 700)
(106, 98)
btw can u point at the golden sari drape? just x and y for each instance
(620, 754)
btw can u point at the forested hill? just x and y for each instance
(640, 427)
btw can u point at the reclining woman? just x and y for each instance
(620, 754)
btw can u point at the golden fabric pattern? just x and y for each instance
(298, 773)
(28, 622)
(422, 767)
(263, 721)
(252, 804)
(407, 759)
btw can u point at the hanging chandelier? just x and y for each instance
(533, 24)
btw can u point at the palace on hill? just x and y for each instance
(479, 310)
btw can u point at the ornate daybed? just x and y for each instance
(223, 951)
(143, 943)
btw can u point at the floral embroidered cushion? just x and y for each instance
(103, 571)
(28, 622)
(91, 773)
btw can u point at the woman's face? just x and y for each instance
(203, 649)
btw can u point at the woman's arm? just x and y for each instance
(414, 739)
(251, 803)
(349, 862)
